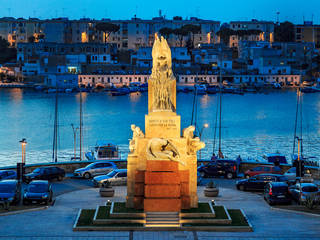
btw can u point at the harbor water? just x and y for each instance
(252, 124)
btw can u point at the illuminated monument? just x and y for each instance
(162, 164)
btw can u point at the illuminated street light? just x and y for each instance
(23, 147)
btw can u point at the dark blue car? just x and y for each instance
(38, 191)
(277, 193)
(7, 174)
(10, 192)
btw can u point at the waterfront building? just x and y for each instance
(215, 55)
(62, 80)
(105, 80)
(132, 34)
(20, 30)
(95, 80)
(265, 28)
(308, 32)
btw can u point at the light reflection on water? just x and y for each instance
(253, 124)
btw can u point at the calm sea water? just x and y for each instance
(253, 124)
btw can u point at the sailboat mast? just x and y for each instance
(55, 131)
(80, 124)
(295, 124)
(301, 146)
(220, 101)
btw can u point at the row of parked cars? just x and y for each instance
(37, 190)
(102, 172)
(279, 189)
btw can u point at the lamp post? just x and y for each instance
(23, 148)
(206, 125)
(20, 166)
(74, 140)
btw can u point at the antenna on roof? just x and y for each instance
(278, 13)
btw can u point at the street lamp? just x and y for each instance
(206, 125)
(74, 140)
(23, 147)
(20, 166)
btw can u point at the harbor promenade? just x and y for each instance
(57, 221)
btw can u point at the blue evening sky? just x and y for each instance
(222, 10)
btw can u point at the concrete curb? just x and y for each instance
(77, 219)
(247, 219)
(294, 211)
(24, 211)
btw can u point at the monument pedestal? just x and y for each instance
(162, 164)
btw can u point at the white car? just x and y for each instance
(95, 169)
(116, 177)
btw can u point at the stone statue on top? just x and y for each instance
(162, 83)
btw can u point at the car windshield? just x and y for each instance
(37, 188)
(37, 170)
(91, 165)
(112, 174)
(282, 179)
(309, 189)
(7, 188)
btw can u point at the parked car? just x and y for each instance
(258, 182)
(291, 174)
(277, 193)
(95, 169)
(8, 174)
(38, 191)
(116, 177)
(262, 169)
(301, 191)
(10, 191)
(45, 173)
(216, 168)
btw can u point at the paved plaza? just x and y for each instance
(57, 221)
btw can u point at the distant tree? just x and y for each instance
(107, 28)
(224, 34)
(284, 32)
(177, 18)
(31, 39)
(7, 54)
(180, 32)
(166, 32)
(192, 29)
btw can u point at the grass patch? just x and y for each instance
(103, 212)
(86, 220)
(202, 208)
(86, 217)
(238, 220)
(120, 207)
(220, 212)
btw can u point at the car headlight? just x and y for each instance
(10, 199)
(25, 195)
(45, 196)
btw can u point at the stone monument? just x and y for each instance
(162, 164)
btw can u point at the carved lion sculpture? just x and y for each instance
(162, 149)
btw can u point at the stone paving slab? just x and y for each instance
(56, 222)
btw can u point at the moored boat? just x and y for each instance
(103, 151)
